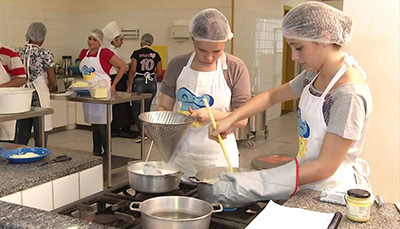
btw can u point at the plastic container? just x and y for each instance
(15, 100)
(99, 93)
(358, 205)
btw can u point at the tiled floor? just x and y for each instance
(282, 140)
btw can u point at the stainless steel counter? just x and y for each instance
(118, 97)
(34, 112)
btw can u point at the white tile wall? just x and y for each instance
(39, 197)
(91, 181)
(258, 42)
(66, 190)
(15, 198)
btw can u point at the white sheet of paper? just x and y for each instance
(277, 216)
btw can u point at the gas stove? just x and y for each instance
(111, 207)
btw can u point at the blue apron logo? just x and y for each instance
(188, 99)
(87, 71)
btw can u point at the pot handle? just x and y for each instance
(194, 180)
(133, 208)
(221, 208)
(174, 174)
(197, 181)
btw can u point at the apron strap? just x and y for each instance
(189, 63)
(27, 63)
(362, 167)
(348, 62)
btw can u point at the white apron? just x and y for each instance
(95, 113)
(312, 130)
(196, 151)
(40, 84)
(7, 129)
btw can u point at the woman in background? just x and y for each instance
(39, 64)
(145, 68)
(120, 126)
(95, 66)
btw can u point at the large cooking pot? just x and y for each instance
(23, 96)
(159, 183)
(205, 179)
(178, 212)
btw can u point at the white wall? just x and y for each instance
(156, 18)
(375, 45)
(16, 16)
(70, 21)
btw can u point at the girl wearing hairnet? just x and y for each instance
(207, 72)
(39, 64)
(95, 66)
(146, 66)
(333, 113)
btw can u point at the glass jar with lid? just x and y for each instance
(358, 205)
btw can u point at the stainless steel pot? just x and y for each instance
(160, 183)
(205, 178)
(178, 212)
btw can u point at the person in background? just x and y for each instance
(120, 126)
(12, 74)
(207, 72)
(39, 64)
(333, 114)
(95, 65)
(145, 68)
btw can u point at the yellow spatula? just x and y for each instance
(214, 124)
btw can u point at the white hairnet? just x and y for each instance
(98, 34)
(318, 22)
(210, 25)
(36, 32)
(147, 38)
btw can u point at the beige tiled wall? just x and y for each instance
(258, 42)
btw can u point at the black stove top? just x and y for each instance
(111, 207)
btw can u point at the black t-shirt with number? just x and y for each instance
(147, 60)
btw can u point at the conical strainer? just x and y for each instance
(166, 128)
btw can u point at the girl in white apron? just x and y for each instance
(332, 129)
(93, 72)
(203, 77)
(38, 63)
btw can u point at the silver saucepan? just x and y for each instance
(167, 181)
(178, 212)
(205, 178)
